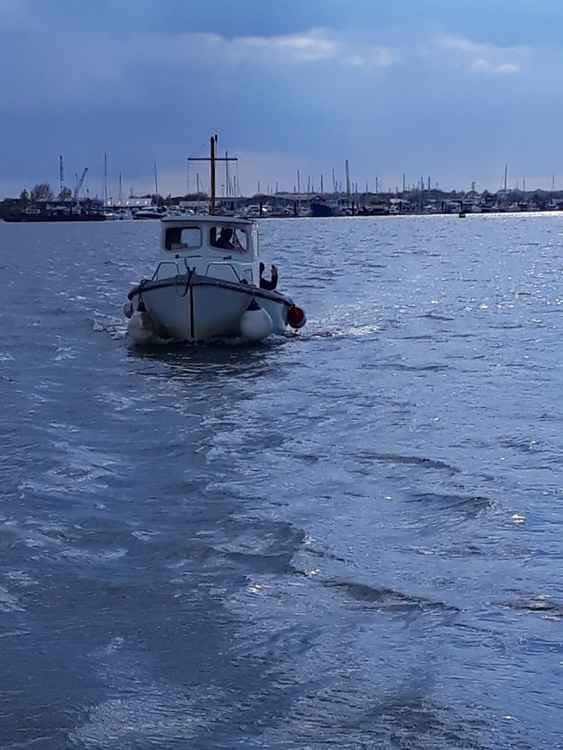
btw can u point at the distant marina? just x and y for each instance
(284, 205)
(43, 203)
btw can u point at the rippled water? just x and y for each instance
(349, 539)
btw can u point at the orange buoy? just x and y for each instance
(296, 317)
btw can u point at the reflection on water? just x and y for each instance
(213, 360)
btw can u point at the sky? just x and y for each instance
(439, 89)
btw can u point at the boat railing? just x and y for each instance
(237, 277)
(156, 274)
(244, 277)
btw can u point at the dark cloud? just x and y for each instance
(453, 90)
(504, 22)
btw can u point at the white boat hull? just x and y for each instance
(196, 308)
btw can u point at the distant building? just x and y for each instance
(136, 202)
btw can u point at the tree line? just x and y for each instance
(43, 192)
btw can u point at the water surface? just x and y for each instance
(349, 538)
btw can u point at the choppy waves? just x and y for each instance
(348, 538)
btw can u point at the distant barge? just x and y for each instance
(51, 217)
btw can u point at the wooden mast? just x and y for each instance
(213, 143)
(213, 159)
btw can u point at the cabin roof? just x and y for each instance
(214, 220)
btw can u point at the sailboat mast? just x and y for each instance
(227, 192)
(105, 179)
(155, 179)
(61, 175)
(212, 145)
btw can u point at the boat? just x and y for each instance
(152, 212)
(209, 284)
(117, 214)
(320, 208)
(374, 210)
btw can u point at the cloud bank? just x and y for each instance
(427, 91)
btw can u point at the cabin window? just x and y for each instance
(183, 238)
(228, 238)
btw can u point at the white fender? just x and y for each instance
(141, 329)
(255, 323)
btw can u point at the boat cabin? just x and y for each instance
(218, 246)
(217, 235)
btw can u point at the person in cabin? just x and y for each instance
(225, 239)
(271, 283)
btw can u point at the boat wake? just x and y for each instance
(142, 331)
(113, 326)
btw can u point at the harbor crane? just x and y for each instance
(80, 184)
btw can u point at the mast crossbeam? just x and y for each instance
(213, 159)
